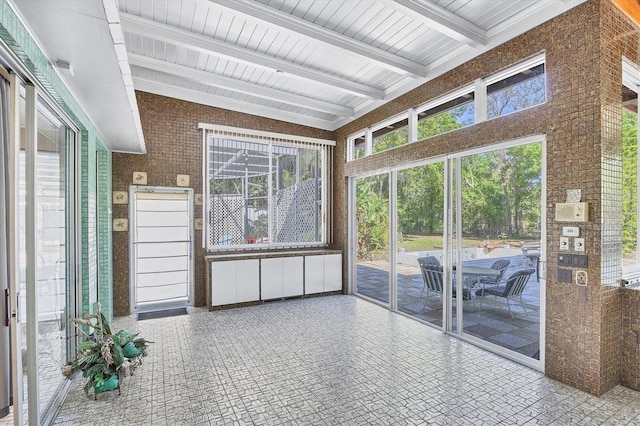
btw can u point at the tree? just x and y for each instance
(629, 182)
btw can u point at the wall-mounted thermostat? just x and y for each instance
(572, 212)
(570, 231)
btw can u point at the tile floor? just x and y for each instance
(490, 321)
(336, 360)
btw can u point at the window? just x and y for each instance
(514, 89)
(357, 146)
(522, 87)
(390, 134)
(446, 115)
(264, 189)
(630, 258)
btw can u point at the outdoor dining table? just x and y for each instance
(478, 272)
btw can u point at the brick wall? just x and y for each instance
(581, 120)
(174, 146)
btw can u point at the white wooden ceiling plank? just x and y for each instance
(362, 18)
(197, 17)
(192, 58)
(171, 52)
(174, 13)
(207, 45)
(306, 29)
(159, 49)
(381, 35)
(145, 8)
(181, 57)
(327, 14)
(148, 46)
(410, 41)
(315, 9)
(448, 23)
(159, 11)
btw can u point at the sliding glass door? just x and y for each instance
(458, 243)
(500, 203)
(372, 223)
(420, 251)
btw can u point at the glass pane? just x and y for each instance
(391, 136)
(449, 116)
(51, 261)
(420, 242)
(629, 178)
(372, 221)
(501, 213)
(296, 195)
(359, 147)
(516, 92)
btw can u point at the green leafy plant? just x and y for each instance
(104, 357)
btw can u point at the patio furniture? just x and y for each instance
(531, 256)
(431, 275)
(513, 288)
(499, 265)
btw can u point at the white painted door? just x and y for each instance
(161, 238)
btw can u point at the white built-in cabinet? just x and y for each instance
(233, 279)
(281, 277)
(322, 273)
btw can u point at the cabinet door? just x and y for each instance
(248, 280)
(223, 283)
(313, 274)
(292, 276)
(332, 272)
(271, 278)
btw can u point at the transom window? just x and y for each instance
(511, 90)
(264, 189)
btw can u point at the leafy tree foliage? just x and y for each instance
(629, 183)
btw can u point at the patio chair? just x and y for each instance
(433, 281)
(429, 260)
(499, 265)
(513, 288)
(432, 276)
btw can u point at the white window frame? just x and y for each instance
(479, 90)
(631, 79)
(269, 139)
(532, 62)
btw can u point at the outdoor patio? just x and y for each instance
(490, 321)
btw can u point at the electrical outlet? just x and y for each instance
(581, 278)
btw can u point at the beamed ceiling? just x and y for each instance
(320, 63)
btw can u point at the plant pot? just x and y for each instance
(108, 385)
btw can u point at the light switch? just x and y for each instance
(578, 244)
(564, 243)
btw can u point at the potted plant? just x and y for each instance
(104, 357)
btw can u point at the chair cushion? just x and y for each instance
(496, 291)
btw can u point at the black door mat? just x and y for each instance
(162, 314)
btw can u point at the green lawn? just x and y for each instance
(434, 242)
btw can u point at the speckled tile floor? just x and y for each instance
(336, 360)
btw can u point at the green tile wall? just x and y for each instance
(94, 167)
